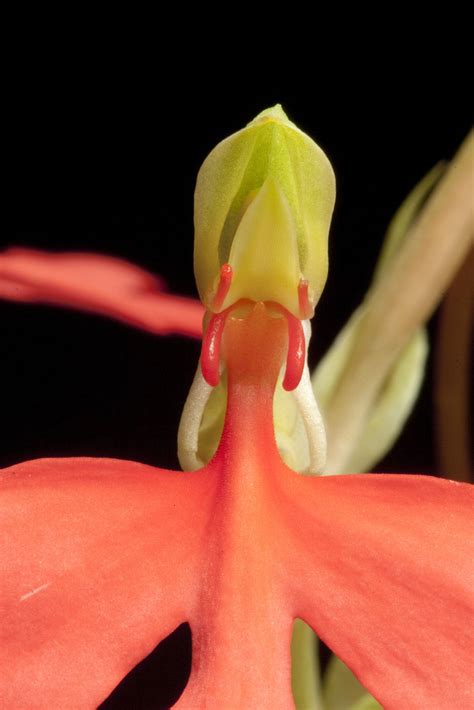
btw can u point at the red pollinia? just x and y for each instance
(101, 558)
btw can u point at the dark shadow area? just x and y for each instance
(159, 679)
(324, 653)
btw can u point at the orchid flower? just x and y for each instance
(101, 558)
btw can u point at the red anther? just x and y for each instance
(303, 299)
(225, 280)
(211, 345)
(295, 358)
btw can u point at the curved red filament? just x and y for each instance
(225, 280)
(295, 358)
(211, 345)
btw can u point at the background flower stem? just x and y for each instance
(452, 376)
(306, 673)
(402, 300)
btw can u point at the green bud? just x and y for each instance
(263, 204)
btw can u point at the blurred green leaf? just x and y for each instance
(305, 679)
(399, 392)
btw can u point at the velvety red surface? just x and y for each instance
(103, 558)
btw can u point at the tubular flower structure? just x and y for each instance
(102, 558)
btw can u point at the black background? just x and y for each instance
(102, 155)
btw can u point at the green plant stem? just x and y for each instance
(306, 674)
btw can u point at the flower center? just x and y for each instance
(211, 345)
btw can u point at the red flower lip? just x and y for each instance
(106, 557)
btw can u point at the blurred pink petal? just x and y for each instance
(100, 284)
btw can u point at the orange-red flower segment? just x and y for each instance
(101, 558)
(100, 284)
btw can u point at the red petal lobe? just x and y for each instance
(102, 557)
(387, 579)
(99, 284)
